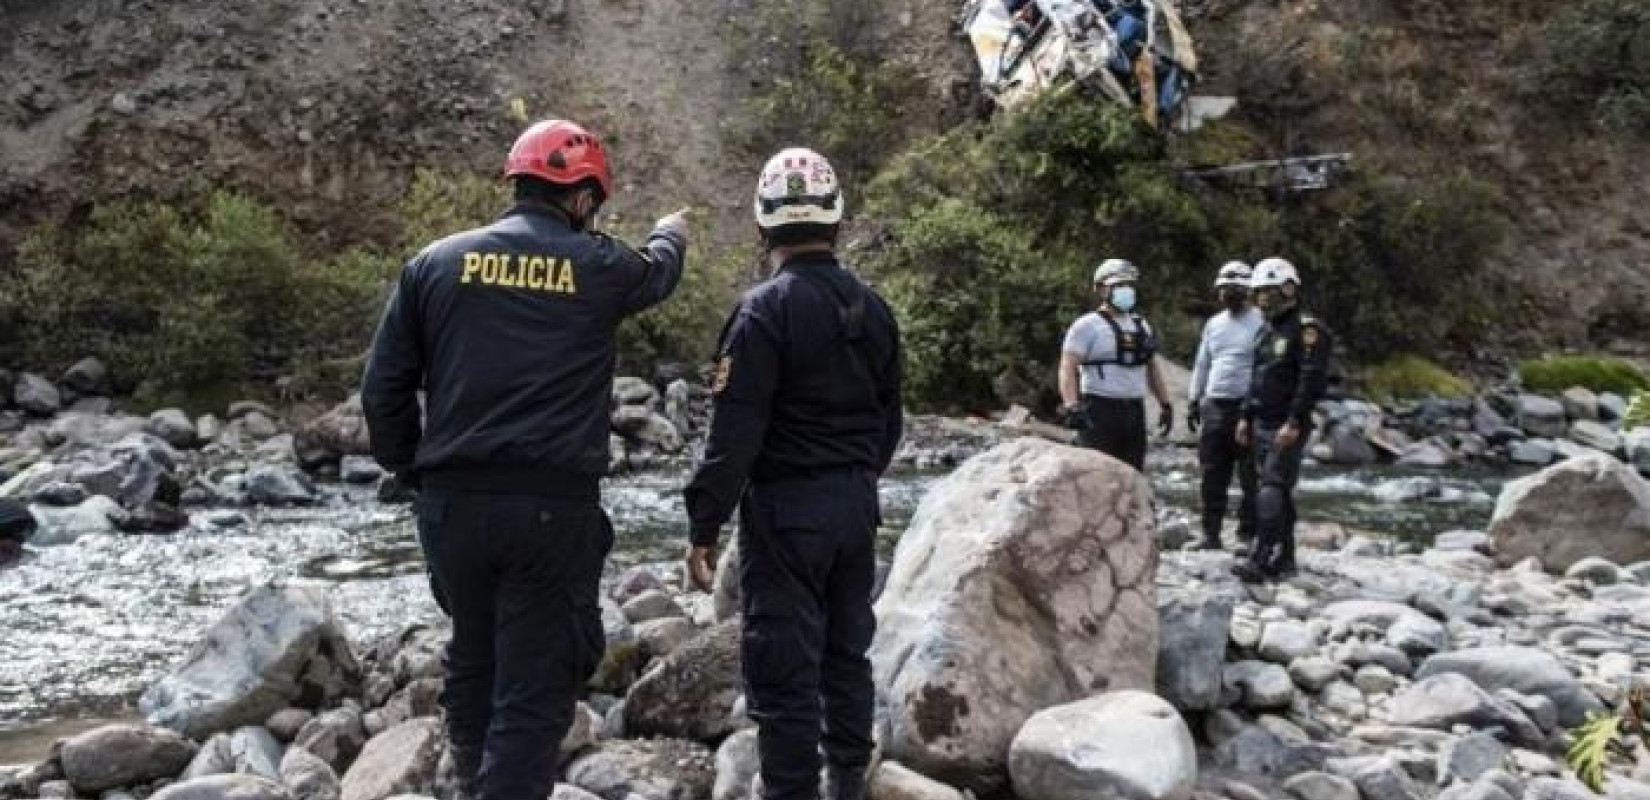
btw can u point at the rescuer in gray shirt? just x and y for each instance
(1220, 381)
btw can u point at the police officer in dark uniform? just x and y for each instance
(509, 330)
(806, 417)
(1291, 374)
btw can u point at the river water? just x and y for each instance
(85, 627)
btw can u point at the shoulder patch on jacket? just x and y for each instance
(719, 379)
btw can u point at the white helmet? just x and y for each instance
(1273, 271)
(798, 187)
(1113, 271)
(1233, 273)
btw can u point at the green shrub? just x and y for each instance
(1554, 374)
(1592, 58)
(1409, 377)
(683, 329)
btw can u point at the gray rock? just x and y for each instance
(737, 762)
(1119, 744)
(253, 662)
(566, 791)
(892, 781)
(661, 637)
(678, 401)
(224, 787)
(285, 724)
(1313, 673)
(1595, 570)
(1539, 709)
(278, 485)
(36, 395)
(629, 391)
(1557, 789)
(1579, 403)
(622, 654)
(307, 777)
(689, 694)
(1596, 435)
(1262, 686)
(1320, 786)
(1539, 416)
(95, 516)
(397, 761)
(1612, 407)
(172, 426)
(1637, 444)
(1284, 641)
(335, 736)
(1426, 455)
(1532, 452)
(1374, 679)
(1522, 669)
(208, 427)
(1589, 506)
(652, 605)
(1345, 699)
(255, 752)
(1444, 700)
(1482, 790)
(1406, 629)
(654, 769)
(1377, 777)
(213, 758)
(1026, 579)
(359, 470)
(116, 756)
(1469, 757)
(1255, 751)
(1192, 650)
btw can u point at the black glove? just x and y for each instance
(1194, 417)
(1165, 419)
(1073, 417)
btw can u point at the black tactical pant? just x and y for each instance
(520, 576)
(1279, 469)
(1218, 453)
(806, 571)
(1115, 427)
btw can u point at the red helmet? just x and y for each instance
(562, 153)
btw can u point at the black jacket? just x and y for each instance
(1291, 370)
(798, 390)
(510, 331)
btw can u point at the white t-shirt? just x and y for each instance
(1091, 339)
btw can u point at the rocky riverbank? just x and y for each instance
(1449, 672)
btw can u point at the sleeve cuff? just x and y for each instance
(704, 535)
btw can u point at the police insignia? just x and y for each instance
(1280, 347)
(1309, 336)
(719, 381)
(796, 184)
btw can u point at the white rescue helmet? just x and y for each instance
(798, 187)
(1233, 273)
(1272, 272)
(1113, 271)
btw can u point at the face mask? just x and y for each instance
(1234, 299)
(1122, 298)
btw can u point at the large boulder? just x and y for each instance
(1448, 699)
(689, 694)
(115, 756)
(1523, 669)
(264, 655)
(1120, 744)
(1025, 581)
(1194, 628)
(401, 760)
(1588, 506)
(224, 787)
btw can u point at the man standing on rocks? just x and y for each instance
(1220, 382)
(806, 417)
(1110, 357)
(1290, 377)
(509, 330)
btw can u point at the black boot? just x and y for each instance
(845, 783)
(1248, 572)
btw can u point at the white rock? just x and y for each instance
(1589, 506)
(224, 787)
(1262, 686)
(1448, 699)
(1120, 744)
(397, 761)
(1522, 669)
(1283, 642)
(737, 762)
(1313, 673)
(1374, 679)
(892, 781)
(1595, 570)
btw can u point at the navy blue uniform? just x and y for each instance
(1291, 374)
(510, 332)
(806, 417)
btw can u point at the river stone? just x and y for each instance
(1532, 452)
(1444, 700)
(399, 760)
(651, 605)
(252, 662)
(1468, 757)
(1025, 580)
(285, 724)
(621, 655)
(678, 403)
(116, 756)
(1374, 679)
(661, 637)
(224, 787)
(1557, 789)
(36, 395)
(1320, 786)
(1193, 627)
(254, 751)
(278, 485)
(1522, 669)
(359, 470)
(1590, 506)
(1377, 777)
(1579, 403)
(892, 781)
(1345, 699)
(308, 777)
(1262, 686)
(335, 736)
(1286, 640)
(652, 769)
(1119, 744)
(1416, 632)
(1313, 672)
(1637, 444)
(213, 758)
(1596, 435)
(630, 391)
(737, 762)
(1426, 455)
(1539, 416)
(1481, 790)
(95, 516)
(1595, 570)
(567, 791)
(172, 426)
(689, 694)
